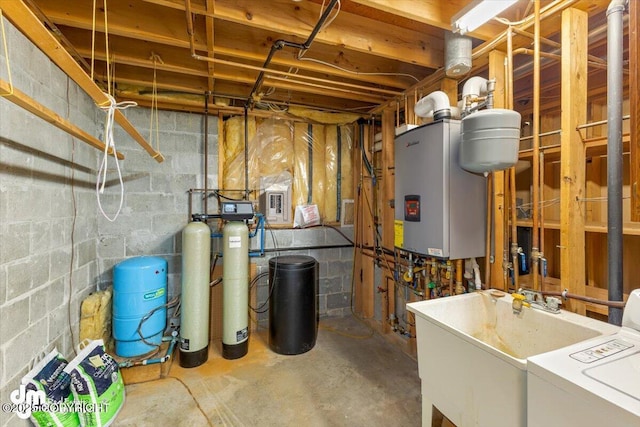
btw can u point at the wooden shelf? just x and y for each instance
(629, 228)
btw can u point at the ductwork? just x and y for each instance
(435, 105)
(615, 33)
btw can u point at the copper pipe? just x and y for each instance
(550, 133)
(505, 232)
(512, 171)
(593, 64)
(206, 153)
(550, 10)
(541, 178)
(601, 122)
(459, 272)
(567, 295)
(536, 145)
(557, 45)
(488, 255)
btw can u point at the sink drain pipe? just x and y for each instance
(615, 31)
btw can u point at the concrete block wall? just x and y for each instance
(48, 221)
(156, 199)
(335, 264)
(56, 247)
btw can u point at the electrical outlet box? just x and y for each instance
(174, 324)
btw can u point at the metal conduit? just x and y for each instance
(614, 155)
(279, 44)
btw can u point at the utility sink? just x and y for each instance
(473, 350)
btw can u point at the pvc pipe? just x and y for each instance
(475, 86)
(476, 273)
(614, 154)
(435, 105)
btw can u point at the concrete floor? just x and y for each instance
(342, 381)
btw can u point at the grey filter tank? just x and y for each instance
(490, 140)
(440, 209)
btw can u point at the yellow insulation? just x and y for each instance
(234, 150)
(319, 168)
(331, 174)
(300, 172)
(277, 145)
(346, 187)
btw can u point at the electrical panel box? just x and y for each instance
(275, 205)
(440, 209)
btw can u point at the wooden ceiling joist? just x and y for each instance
(24, 19)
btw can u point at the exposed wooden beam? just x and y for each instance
(572, 155)
(22, 17)
(22, 100)
(350, 31)
(436, 13)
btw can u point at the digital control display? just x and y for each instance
(412, 208)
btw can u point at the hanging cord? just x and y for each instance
(154, 132)
(109, 143)
(302, 52)
(110, 106)
(6, 55)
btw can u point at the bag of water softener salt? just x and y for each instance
(96, 383)
(48, 376)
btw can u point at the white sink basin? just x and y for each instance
(472, 353)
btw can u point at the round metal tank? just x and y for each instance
(139, 288)
(293, 306)
(490, 140)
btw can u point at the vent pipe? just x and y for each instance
(614, 154)
(435, 105)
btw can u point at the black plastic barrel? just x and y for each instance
(293, 305)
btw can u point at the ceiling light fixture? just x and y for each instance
(477, 13)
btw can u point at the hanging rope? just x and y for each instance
(110, 106)
(110, 143)
(154, 106)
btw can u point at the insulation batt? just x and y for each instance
(278, 146)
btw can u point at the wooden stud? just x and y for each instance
(572, 154)
(634, 101)
(497, 70)
(450, 87)
(32, 106)
(368, 227)
(388, 211)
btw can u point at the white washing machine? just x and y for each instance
(592, 383)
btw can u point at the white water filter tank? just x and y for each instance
(194, 305)
(235, 283)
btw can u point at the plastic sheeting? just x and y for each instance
(319, 161)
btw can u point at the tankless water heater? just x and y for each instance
(440, 209)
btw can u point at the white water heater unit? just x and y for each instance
(440, 208)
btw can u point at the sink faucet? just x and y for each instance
(534, 299)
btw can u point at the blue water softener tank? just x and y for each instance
(139, 302)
